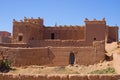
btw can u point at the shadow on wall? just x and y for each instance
(51, 56)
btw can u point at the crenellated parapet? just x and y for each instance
(94, 21)
(39, 21)
(66, 27)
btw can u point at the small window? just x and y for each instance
(52, 35)
(32, 38)
(94, 39)
(20, 38)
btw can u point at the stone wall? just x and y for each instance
(58, 77)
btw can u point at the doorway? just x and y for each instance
(52, 35)
(20, 38)
(94, 39)
(72, 58)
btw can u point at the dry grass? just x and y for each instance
(76, 69)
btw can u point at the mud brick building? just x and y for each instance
(33, 43)
(34, 31)
(5, 37)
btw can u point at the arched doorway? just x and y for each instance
(71, 58)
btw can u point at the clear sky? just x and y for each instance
(62, 12)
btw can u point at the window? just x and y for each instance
(94, 39)
(20, 38)
(52, 35)
(32, 38)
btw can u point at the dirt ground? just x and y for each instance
(76, 69)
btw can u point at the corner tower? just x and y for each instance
(96, 30)
(27, 30)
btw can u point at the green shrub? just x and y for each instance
(5, 66)
(108, 70)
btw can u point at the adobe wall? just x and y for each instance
(55, 56)
(59, 43)
(29, 30)
(95, 30)
(58, 77)
(27, 56)
(15, 45)
(34, 30)
(65, 32)
(5, 39)
(113, 34)
(83, 55)
(5, 34)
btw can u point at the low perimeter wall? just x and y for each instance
(116, 60)
(54, 56)
(58, 77)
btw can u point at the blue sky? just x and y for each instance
(62, 12)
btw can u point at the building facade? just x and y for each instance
(5, 37)
(33, 43)
(34, 31)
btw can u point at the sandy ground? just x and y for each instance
(76, 69)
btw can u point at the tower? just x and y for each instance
(95, 30)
